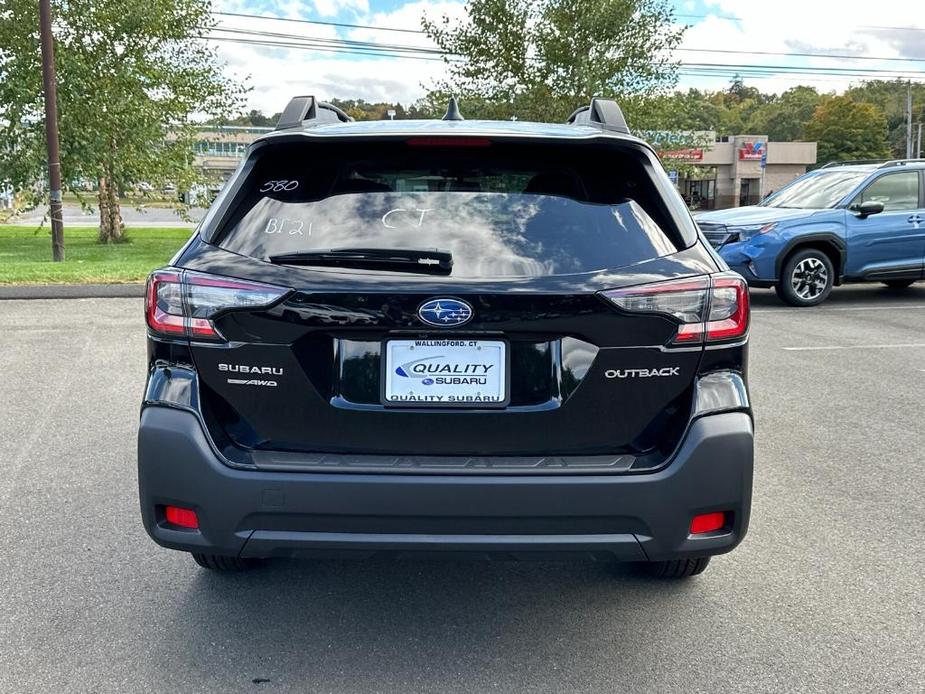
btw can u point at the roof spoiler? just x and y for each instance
(605, 113)
(303, 111)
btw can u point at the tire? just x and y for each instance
(220, 562)
(806, 279)
(898, 284)
(676, 568)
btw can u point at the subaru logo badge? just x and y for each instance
(445, 313)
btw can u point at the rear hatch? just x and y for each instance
(445, 309)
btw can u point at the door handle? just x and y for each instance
(916, 219)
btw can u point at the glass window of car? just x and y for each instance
(897, 191)
(503, 210)
(817, 191)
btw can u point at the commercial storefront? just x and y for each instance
(736, 170)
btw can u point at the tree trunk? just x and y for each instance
(111, 226)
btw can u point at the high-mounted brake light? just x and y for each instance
(449, 142)
(180, 303)
(711, 309)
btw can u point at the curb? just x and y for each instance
(72, 291)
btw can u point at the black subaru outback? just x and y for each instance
(498, 338)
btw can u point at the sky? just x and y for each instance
(882, 39)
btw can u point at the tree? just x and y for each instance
(541, 59)
(785, 118)
(890, 97)
(845, 129)
(360, 109)
(131, 76)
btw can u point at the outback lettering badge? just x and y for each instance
(642, 373)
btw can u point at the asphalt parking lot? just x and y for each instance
(825, 594)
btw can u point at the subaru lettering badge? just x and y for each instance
(445, 313)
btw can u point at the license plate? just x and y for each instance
(445, 373)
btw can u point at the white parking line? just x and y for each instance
(822, 348)
(803, 311)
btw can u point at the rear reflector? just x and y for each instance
(711, 309)
(182, 517)
(180, 303)
(708, 523)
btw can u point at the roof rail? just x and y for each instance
(900, 162)
(301, 109)
(850, 162)
(605, 113)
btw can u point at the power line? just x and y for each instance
(320, 48)
(795, 54)
(346, 25)
(732, 18)
(802, 55)
(369, 48)
(333, 41)
(343, 25)
(809, 69)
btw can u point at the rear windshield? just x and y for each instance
(501, 211)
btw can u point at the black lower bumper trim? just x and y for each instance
(262, 513)
(275, 543)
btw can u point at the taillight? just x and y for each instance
(180, 303)
(710, 309)
(729, 308)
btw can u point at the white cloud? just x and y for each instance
(798, 26)
(785, 26)
(331, 8)
(276, 74)
(408, 16)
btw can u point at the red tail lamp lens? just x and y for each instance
(183, 303)
(711, 309)
(708, 523)
(181, 517)
(729, 308)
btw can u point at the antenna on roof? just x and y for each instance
(452, 111)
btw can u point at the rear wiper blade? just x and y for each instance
(423, 261)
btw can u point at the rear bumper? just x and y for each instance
(263, 514)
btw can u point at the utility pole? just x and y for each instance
(919, 145)
(909, 121)
(51, 132)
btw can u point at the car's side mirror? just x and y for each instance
(867, 208)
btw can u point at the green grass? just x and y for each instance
(25, 255)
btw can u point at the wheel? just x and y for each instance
(898, 284)
(676, 568)
(806, 278)
(220, 562)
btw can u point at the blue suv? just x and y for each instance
(841, 223)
